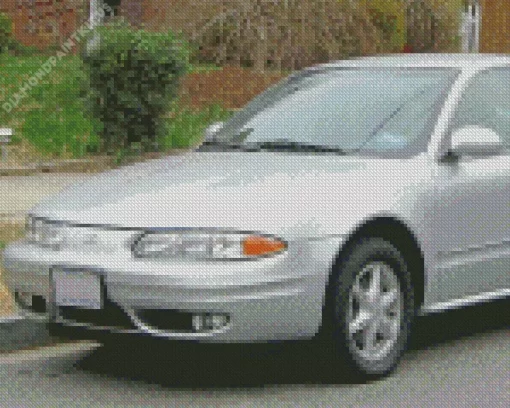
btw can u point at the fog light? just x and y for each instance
(208, 322)
(30, 301)
(24, 299)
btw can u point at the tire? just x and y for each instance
(369, 330)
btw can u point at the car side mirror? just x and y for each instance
(211, 130)
(475, 141)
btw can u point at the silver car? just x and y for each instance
(337, 205)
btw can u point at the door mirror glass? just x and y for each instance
(475, 141)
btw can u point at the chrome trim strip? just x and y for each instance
(145, 328)
(142, 331)
(28, 314)
(467, 301)
(503, 245)
(112, 329)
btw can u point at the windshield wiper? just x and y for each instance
(290, 146)
(273, 145)
(215, 145)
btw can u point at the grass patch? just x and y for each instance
(62, 133)
(50, 116)
(204, 68)
(186, 126)
(10, 231)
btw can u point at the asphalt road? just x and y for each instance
(458, 359)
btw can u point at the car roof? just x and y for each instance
(460, 61)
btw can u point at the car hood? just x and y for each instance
(249, 191)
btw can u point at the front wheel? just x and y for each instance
(373, 306)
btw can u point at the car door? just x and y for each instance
(470, 214)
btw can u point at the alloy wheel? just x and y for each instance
(374, 313)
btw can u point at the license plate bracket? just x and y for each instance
(77, 288)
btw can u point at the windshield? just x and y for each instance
(372, 111)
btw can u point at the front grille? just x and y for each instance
(166, 320)
(111, 315)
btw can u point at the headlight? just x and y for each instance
(193, 244)
(44, 233)
(61, 236)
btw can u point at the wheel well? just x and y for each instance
(403, 239)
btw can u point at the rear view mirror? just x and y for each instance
(476, 141)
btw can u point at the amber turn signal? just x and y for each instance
(259, 246)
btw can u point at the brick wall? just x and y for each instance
(44, 22)
(7, 6)
(495, 27)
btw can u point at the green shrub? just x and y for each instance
(389, 16)
(288, 34)
(132, 76)
(5, 32)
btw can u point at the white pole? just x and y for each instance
(477, 25)
(96, 12)
(5, 138)
(95, 19)
(464, 31)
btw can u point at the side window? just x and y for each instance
(486, 103)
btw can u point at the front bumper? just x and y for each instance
(279, 298)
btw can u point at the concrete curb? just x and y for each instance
(13, 217)
(89, 165)
(18, 170)
(20, 332)
(84, 165)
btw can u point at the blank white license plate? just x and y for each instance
(77, 288)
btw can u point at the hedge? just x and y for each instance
(132, 78)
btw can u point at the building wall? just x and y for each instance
(46, 22)
(132, 10)
(495, 27)
(5, 7)
(43, 23)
